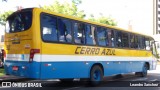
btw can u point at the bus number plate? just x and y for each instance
(14, 68)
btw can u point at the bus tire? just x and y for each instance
(96, 75)
(144, 71)
(137, 73)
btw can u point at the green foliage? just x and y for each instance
(66, 8)
(77, 2)
(4, 15)
(92, 18)
(104, 20)
(71, 9)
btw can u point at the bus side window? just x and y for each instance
(49, 28)
(101, 36)
(147, 44)
(125, 40)
(64, 27)
(118, 39)
(111, 38)
(93, 31)
(78, 33)
(89, 31)
(132, 37)
(141, 41)
(136, 42)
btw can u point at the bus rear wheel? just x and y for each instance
(96, 75)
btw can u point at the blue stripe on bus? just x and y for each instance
(51, 70)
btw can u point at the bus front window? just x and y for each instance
(19, 21)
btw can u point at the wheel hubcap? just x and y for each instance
(96, 75)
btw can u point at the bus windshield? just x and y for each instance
(19, 21)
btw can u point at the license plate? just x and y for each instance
(15, 68)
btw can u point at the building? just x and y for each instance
(156, 14)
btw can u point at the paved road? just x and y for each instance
(123, 82)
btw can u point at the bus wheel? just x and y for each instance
(96, 75)
(144, 72)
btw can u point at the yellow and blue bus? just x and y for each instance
(41, 44)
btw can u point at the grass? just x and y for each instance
(2, 72)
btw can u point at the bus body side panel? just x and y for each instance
(58, 70)
(82, 69)
(79, 66)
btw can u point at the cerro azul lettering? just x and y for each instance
(94, 51)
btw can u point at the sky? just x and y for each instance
(138, 13)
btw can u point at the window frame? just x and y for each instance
(41, 28)
(83, 33)
(17, 12)
(116, 32)
(107, 30)
(97, 42)
(70, 28)
(128, 35)
(95, 37)
(57, 17)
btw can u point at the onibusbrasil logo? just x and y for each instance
(13, 84)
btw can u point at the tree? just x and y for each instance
(103, 19)
(71, 9)
(92, 18)
(4, 15)
(77, 2)
(66, 8)
(106, 20)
